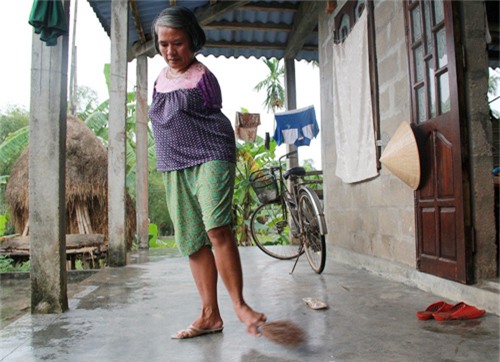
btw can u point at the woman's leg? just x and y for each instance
(227, 259)
(204, 272)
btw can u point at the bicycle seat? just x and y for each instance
(294, 171)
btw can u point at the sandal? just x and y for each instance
(192, 331)
(459, 311)
(433, 308)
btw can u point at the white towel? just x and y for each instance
(352, 107)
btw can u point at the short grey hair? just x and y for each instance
(180, 17)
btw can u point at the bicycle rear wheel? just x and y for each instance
(315, 246)
(271, 232)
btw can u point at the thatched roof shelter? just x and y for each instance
(86, 186)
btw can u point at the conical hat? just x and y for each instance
(401, 156)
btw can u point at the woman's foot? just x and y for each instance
(252, 319)
(208, 323)
(192, 331)
(203, 325)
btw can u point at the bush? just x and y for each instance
(8, 265)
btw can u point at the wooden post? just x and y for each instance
(141, 126)
(73, 84)
(47, 159)
(117, 135)
(291, 103)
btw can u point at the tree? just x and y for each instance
(13, 132)
(275, 92)
(13, 136)
(87, 101)
(251, 157)
(12, 119)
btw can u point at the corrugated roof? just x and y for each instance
(263, 28)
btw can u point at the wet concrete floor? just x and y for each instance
(15, 292)
(129, 314)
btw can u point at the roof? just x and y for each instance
(266, 28)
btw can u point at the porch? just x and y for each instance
(129, 313)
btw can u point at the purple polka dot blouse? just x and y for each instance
(188, 125)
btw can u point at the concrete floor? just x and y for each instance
(128, 314)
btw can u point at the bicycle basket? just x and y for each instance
(265, 186)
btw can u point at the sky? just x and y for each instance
(237, 77)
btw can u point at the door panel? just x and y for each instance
(442, 247)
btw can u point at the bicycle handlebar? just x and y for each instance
(279, 167)
(287, 155)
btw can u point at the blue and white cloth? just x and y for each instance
(296, 127)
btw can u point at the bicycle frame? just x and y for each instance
(287, 199)
(290, 198)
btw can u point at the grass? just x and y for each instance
(163, 242)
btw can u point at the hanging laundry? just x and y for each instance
(296, 127)
(246, 126)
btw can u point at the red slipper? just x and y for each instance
(459, 311)
(433, 308)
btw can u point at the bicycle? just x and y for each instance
(289, 222)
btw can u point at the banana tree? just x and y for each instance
(17, 141)
(251, 157)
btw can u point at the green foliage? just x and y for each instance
(3, 221)
(14, 135)
(97, 121)
(153, 233)
(157, 204)
(251, 157)
(156, 242)
(164, 243)
(11, 148)
(87, 102)
(7, 265)
(12, 119)
(273, 84)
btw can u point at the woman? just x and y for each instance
(196, 151)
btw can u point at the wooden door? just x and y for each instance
(442, 246)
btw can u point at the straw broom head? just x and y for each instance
(284, 332)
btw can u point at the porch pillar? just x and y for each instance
(291, 103)
(117, 135)
(141, 127)
(47, 160)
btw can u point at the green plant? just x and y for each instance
(163, 243)
(8, 265)
(251, 157)
(275, 92)
(158, 211)
(153, 233)
(3, 221)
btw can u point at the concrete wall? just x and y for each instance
(480, 136)
(375, 217)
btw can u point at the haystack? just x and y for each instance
(86, 187)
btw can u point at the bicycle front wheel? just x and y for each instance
(315, 245)
(272, 233)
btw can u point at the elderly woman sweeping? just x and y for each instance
(196, 151)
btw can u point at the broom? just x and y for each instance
(283, 332)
